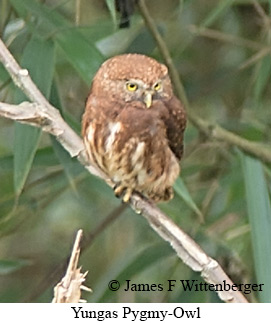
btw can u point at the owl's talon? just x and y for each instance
(127, 195)
(169, 194)
(120, 190)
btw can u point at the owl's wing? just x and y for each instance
(175, 124)
(99, 110)
(139, 122)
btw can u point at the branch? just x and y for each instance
(218, 133)
(42, 114)
(187, 249)
(227, 38)
(211, 130)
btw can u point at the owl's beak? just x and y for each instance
(148, 98)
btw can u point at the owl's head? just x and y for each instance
(133, 77)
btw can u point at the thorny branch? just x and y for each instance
(41, 114)
(69, 289)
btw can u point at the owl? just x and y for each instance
(133, 126)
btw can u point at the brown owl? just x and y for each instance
(133, 126)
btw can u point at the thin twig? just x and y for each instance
(227, 38)
(77, 12)
(216, 132)
(185, 247)
(164, 51)
(255, 58)
(259, 9)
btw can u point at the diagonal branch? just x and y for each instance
(211, 130)
(41, 114)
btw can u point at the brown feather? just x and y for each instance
(139, 148)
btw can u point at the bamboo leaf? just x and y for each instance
(118, 41)
(71, 167)
(216, 12)
(259, 212)
(10, 266)
(25, 145)
(263, 76)
(112, 9)
(181, 189)
(38, 58)
(82, 55)
(81, 52)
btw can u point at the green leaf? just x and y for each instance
(216, 12)
(79, 51)
(143, 43)
(44, 157)
(25, 145)
(263, 76)
(10, 266)
(259, 212)
(120, 40)
(19, 6)
(38, 58)
(4, 76)
(213, 15)
(81, 54)
(112, 9)
(71, 166)
(181, 189)
(46, 20)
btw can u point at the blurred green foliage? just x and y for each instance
(223, 197)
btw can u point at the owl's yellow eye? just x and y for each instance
(131, 87)
(157, 86)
